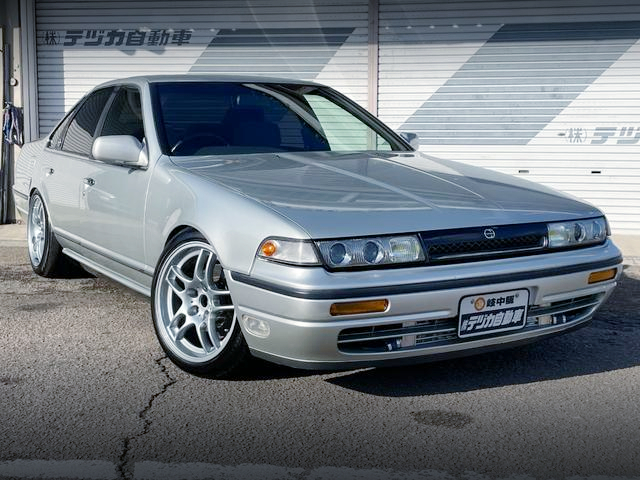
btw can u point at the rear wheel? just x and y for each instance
(193, 313)
(45, 253)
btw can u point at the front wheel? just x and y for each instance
(193, 314)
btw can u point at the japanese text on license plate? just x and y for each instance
(493, 312)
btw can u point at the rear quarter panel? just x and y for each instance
(26, 166)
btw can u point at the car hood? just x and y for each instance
(331, 194)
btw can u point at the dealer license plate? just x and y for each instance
(493, 312)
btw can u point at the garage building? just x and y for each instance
(544, 89)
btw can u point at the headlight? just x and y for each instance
(296, 252)
(579, 232)
(367, 252)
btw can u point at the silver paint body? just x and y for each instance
(116, 219)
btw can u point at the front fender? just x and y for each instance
(234, 224)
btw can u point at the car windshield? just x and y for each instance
(199, 118)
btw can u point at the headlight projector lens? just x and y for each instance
(338, 254)
(372, 252)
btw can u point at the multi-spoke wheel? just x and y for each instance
(45, 253)
(193, 313)
(36, 230)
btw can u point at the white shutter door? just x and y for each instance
(81, 44)
(543, 89)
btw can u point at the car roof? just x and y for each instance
(147, 79)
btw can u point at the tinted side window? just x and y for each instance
(79, 137)
(343, 131)
(125, 115)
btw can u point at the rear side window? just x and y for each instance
(81, 131)
(125, 115)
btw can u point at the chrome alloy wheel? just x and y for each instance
(36, 230)
(194, 312)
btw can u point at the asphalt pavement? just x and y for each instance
(86, 392)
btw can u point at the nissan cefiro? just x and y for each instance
(279, 219)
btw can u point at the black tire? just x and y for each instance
(205, 339)
(45, 253)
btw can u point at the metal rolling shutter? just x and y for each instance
(84, 43)
(543, 89)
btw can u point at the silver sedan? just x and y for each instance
(278, 218)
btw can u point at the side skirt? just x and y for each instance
(91, 265)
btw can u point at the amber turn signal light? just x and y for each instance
(268, 248)
(352, 308)
(602, 276)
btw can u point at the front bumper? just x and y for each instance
(421, 322)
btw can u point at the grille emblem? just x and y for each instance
(489, 233)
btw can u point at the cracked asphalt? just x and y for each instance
(86, 392)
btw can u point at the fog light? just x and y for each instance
(255, 326)
(602, 276)
(352, 308)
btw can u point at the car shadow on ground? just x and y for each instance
(610, 342)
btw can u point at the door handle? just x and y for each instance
(48, 171)
(89, 181)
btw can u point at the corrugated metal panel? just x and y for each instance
(84, 43)
(544, 89)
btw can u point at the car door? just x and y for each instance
(66, 162)
(114, 194)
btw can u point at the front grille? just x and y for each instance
(484, 243)
(444, 331)
(381, 338)
(565, 311)
(444, 250)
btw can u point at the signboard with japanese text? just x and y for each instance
(92, 38)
